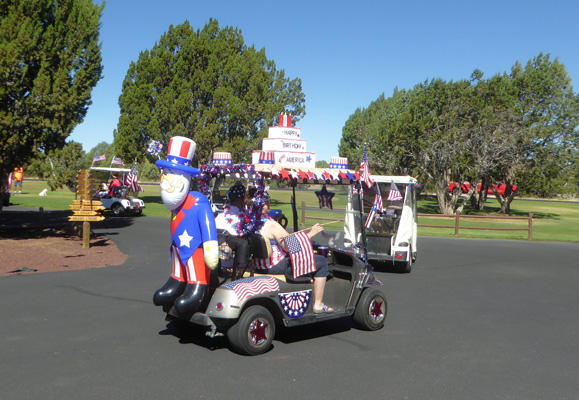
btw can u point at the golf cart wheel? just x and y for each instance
(117, 209)
(371, 310)
(253, 333)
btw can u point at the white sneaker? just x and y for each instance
(19, 192)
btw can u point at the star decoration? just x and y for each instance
(259, 331)
(308, 158)
(185, 238)
(376, 311)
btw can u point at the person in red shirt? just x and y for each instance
(115, 183)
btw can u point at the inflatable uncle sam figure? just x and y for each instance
(194, 248)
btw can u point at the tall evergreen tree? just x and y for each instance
(50, 60)
(206, 85)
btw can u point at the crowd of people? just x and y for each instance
(232, 220)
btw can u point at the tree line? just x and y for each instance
(518, 128)
(207, 84)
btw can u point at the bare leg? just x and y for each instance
(319, 285)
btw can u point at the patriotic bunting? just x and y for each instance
(295, 304)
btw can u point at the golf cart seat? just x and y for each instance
(251, 247)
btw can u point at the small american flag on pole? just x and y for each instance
(245, 288)
(117, 161)
(394, 194)
(99, 158)
(365, 169)
(376, 207)
(132, 179)
(301, 252)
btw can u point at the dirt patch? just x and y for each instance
(27, 252)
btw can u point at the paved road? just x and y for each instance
(474, 320)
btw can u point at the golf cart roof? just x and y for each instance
(110, 169)
(395, 179)
(301, 175)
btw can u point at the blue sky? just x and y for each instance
(346, 53)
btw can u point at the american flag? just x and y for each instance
(372, 280)
(295, 304)
(247, 287)
(301, 253)
(394, 194)
(99, 158)
(118, 161)
(365, 169)
(376, 207)
(131, 179)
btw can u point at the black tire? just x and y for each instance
(253, 333)
(117, 209)
(371, 310)
(405, 267)
(283, 222)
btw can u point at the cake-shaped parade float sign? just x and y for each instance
(284, 155)
(285, 147)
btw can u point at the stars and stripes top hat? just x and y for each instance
(338, 163)
(179, 155)
(266, 157)
(222, 158)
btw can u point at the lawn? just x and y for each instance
(552, 220)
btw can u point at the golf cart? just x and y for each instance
(121, 202)
(247, 307)
(391, 237)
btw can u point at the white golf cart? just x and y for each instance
(391, 237)
(121, 202)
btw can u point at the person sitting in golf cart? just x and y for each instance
(233, 215)
(249, 199)
(232, 220)
(116, 183)
(277, 262)
(102, 192)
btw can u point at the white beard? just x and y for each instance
(174, 188)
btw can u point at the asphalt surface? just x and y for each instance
(475, 319)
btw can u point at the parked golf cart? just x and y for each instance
(248, 307)
(122, 202)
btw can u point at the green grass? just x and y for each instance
(552, 220)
